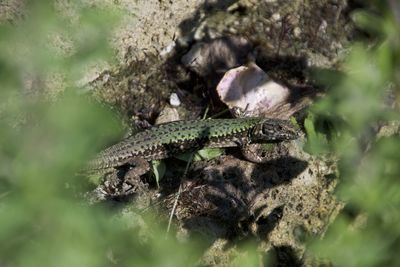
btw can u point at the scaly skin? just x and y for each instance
(169, 139)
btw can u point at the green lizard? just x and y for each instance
(169, 139)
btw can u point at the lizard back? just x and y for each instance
(168, 139)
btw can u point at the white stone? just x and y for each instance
(297, 31)
(276, 17)
(249, 89)
(174, 100)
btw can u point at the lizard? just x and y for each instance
(177, 137)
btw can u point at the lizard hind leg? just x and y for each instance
(131, 170)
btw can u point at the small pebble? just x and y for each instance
(168, 114)
(276, 17)
(174, 100)
(323, 26)
(168, 49)
(297, 31)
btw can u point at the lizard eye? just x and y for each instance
(266, 129)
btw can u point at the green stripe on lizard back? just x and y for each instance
(185, 130)
(168, 139)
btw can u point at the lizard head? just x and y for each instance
(275, 130)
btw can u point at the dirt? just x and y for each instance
(227, 199)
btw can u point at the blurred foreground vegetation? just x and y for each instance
(43, 220)
(364, 134)
(43, 144)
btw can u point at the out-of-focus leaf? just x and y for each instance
(316, 142)
(202, 154)
(208, 153)
(158, 167)
(368, 21)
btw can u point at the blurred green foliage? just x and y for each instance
(43, 218)
(367, 232)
